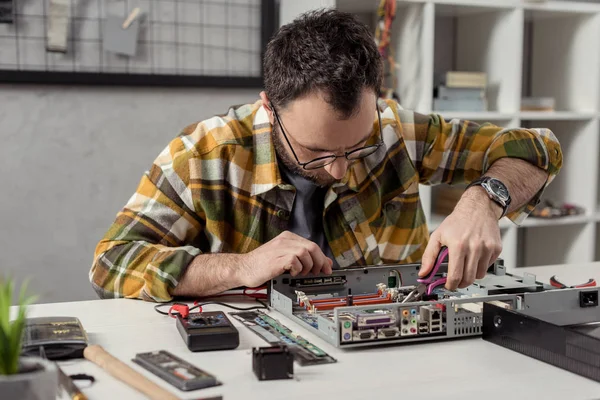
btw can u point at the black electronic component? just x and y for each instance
(305, 283)
(208, 331)
(392, 281)
(573, 348)
(179, 373)
(271, 330)
(275, 362)
(60, 338)
(588, 298)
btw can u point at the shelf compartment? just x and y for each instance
(554, 45)
(481, 39)
(565, 244)
(579, 144)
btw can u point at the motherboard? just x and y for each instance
(377, 304)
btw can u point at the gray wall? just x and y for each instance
(70, 158)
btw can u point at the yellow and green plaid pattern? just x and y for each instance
(216, 188)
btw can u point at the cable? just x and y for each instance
(400, 284)
(262, 306)
(184, 310)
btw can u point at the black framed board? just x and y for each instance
(192, 43)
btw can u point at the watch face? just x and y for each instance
(498, 188)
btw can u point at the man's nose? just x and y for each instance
(338, 168)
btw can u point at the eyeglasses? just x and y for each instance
(321, 162)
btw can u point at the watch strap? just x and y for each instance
(480, 182)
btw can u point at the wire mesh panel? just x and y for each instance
(178, 42)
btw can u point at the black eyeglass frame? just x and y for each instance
(332, 157)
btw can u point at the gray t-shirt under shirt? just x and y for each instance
(306, 218)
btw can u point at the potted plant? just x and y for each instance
(21, 377)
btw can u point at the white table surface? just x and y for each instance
(458, 369)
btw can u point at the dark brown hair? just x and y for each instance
(326, 50)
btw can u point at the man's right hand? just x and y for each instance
(286, 252)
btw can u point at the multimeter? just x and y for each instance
(210, 330)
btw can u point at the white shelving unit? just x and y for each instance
(541, 48)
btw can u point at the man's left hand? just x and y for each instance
(471, 234)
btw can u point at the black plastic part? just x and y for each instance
(208, 331)
(562, 346)
(588, 298)
(178, 372)
(55, 338)
(270, 363)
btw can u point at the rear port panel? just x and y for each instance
(364, 306)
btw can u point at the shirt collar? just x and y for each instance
(265, 172)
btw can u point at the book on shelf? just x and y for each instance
(467, 105)
(461, 91)
(450, 93)
(464, 79)
(537, 104)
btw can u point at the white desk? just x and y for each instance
(465, 369)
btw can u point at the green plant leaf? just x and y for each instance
(4, 345)
(5, 300)
(11, 332)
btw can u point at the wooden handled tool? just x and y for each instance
(125, 373)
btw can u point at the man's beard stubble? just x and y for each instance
(319, 177)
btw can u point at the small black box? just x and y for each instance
(210, 330)
(274, 362)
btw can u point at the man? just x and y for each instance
(318, 175)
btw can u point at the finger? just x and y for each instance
(456, 264)
(303, 255)
(430, 255)
(495, 254)
(292, 264)
(484, 263)
(328, 268)
(472, 261)
(319, 259)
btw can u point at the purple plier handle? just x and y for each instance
(429, 279)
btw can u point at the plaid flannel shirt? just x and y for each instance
(216, 188)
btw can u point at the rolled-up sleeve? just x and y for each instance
(147, 248)
(457, 151)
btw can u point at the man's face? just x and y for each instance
(314, 130)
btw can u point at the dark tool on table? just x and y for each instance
(179, 373)
(429, 282)
(209, 330)
(554, 281)
(65, 381)
(66, 384)
(61, 338)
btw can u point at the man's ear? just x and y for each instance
(267, 105)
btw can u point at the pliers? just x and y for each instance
(558, 284)
(428, 283)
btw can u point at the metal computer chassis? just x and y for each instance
(564, 331)
(461, 313)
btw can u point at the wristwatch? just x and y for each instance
(496, 190)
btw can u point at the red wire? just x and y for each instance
(557, 284)
(587, 284)
(246, 293)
